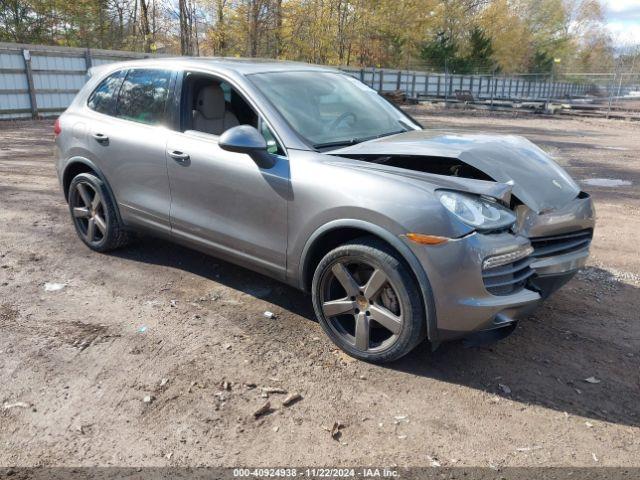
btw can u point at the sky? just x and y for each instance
(623, 21)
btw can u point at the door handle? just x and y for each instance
(101, 138)
(180, 157)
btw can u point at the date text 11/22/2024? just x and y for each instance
(367, 472)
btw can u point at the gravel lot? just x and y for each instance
(188, 332)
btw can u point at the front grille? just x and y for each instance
(507, 279)
(561, 244)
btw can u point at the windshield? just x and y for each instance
(331, 109)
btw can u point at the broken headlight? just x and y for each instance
(478, 212)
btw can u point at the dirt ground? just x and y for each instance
(188, 332)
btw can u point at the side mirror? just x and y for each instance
(246, 139)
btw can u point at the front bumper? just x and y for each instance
(463, 304)
(553, 272)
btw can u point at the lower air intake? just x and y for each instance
(509, 278)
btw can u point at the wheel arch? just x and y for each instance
(77, 165)
(337, 232)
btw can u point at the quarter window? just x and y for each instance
(103, 97)
(272, 144)
(143, 96)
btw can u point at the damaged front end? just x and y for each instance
(488, 279)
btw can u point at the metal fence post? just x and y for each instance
(548, 93)
(88, 61)
(362, 75)
(413, 86)
(26, 54)
(381, 80)
(438, 90)
(446, 73)
(426, 84)
(491, 87)
(399, 80)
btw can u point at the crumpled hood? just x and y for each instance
(536, 179)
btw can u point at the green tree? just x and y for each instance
(441, 52)
(21, 21)
(480, 58)
(541, 62)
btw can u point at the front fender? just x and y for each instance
(393, 240)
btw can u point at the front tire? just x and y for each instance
(94, 215)
(367, 301)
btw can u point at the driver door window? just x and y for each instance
(212, 106)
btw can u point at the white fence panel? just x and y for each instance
(40, 80)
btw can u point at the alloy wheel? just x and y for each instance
(361, 305)
(87, 207)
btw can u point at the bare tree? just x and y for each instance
(144, 26)
(185, 17)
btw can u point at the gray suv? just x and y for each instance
(307, 175)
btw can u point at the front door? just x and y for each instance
(224, 202)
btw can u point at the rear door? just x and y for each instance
(131, 141)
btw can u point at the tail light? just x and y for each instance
(56, 127)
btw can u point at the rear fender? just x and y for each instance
(74, 161)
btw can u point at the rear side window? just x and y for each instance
(102, 99)
(143, 96)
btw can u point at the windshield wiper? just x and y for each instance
(406, 126)
(355, 140)
(339, 143)
(388, 134)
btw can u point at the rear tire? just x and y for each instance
(367, 301)
(94, 215)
